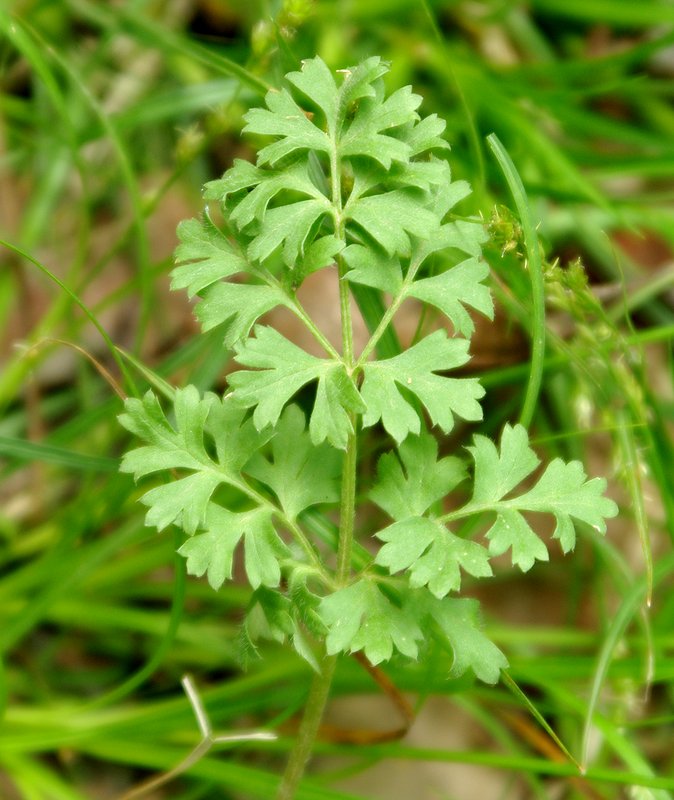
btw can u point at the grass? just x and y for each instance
(112, 118)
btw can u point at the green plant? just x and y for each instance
(354, 182)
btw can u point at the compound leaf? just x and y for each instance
(497, 473)
(282, 369)
(315, 81)
(390, 218)
(438, 567)
(320, 253)
(262, 547)
(289, 225)
(167, 448)
(411, 479)
(205, 255)
(362, 81)
(300, 473)
(236, 437)
(455, 288)
(458, 622)
(425, 135)
(271, 616)
(241, 175)
(512, 532)
(563, 490)
(415, 371)
(237, 307)
(360, 617)
(336, 397)
(366, 135)
(212, 552)
(373, 268)
(284, 118)
(185, 501)
(431, 553)
(264, 184)
(462, 235)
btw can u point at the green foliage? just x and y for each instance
(351, 181)
(414, 370)
(420, 541)
(562, 490)
(208, 423)
(96, 170)
(360, 617)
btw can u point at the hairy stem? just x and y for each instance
(344, 293)
(348, 495)
(306, 736)
(347, 507)
(320, 688)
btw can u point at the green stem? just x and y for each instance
(390, 312)
(348, 494)
(314, 330)
(344, 293)
(298, 310)
(320, 688)
(347, 507)
(313, 714)
(289, 523)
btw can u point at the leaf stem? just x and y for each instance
(471, 510)
(390, 312)
(298, 310)
(289, 523)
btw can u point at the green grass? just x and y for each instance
(112, 118)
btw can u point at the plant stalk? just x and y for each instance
(306, 736)
(320, 687)
(347, 512)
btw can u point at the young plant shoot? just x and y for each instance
(354, 182)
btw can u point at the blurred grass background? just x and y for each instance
(112, 116)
